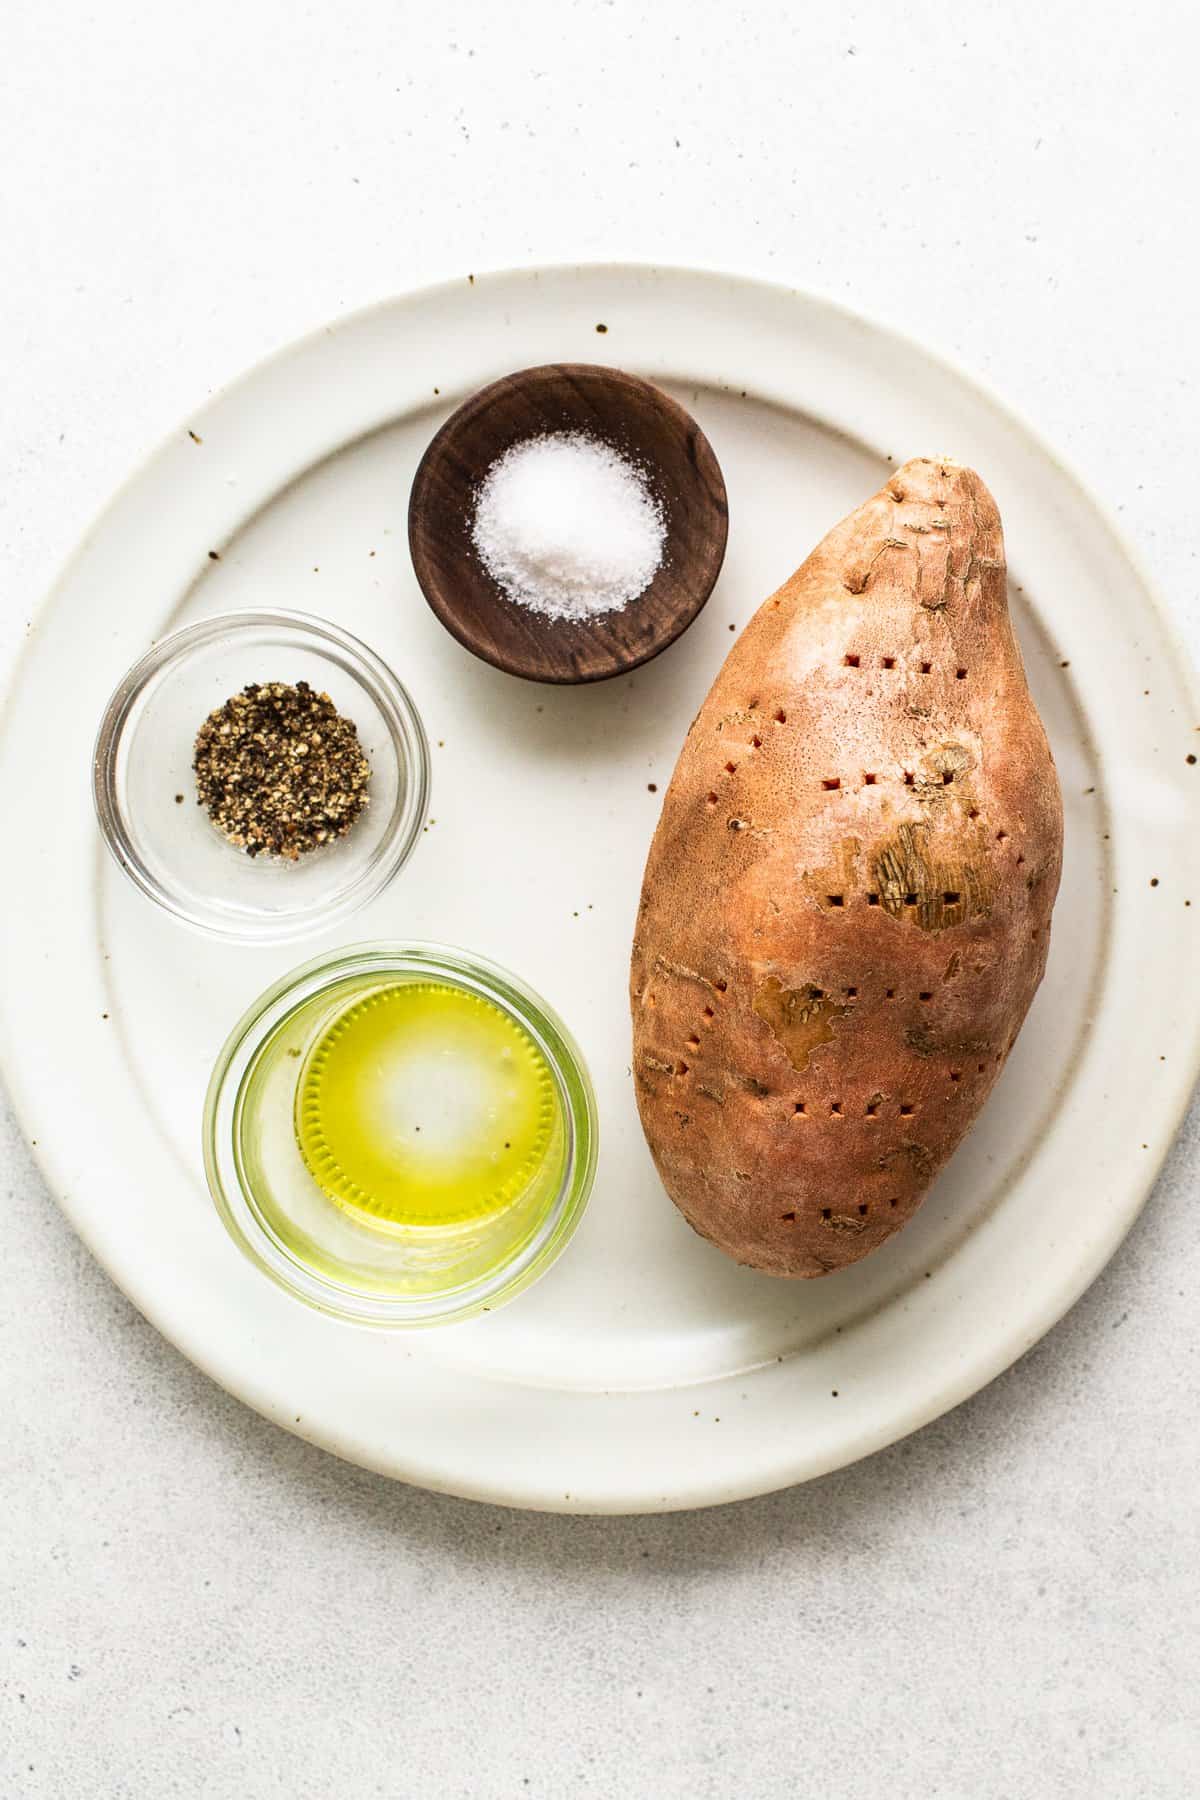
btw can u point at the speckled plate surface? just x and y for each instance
(644, 1371)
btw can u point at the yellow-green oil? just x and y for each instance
(424, 1104)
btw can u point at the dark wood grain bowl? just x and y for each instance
(635, 418)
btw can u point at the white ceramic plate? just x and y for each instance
(645, 1371)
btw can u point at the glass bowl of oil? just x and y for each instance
(146, 796)
(400, 1134)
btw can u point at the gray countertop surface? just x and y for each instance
(193, 1602)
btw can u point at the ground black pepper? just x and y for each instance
(280, 770)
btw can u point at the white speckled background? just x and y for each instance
(193, 1603)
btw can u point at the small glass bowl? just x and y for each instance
(342, 1262)
(145, 791)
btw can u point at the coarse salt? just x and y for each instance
(567, 526)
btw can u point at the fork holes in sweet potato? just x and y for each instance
(907, 1110)
(731, 768)
(850, 662)
(711, 799)
(798, 1110)
(868, 780)
(890, 994)
(926, 668)
(709, 1013)
(862, 1210)
(947, 777)
(693, 1043)
(788, 1218)
(909, 778)
(836, 899)
(889, 662)
(831, 784)
(720, 986)
(960, 674)
(835, 1108)
(780, 717)
(756, 743)
(851, 993)
(872, 899)
(949, 898)
(925, 994)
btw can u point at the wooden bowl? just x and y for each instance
(636, 419)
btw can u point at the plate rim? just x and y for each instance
(1172, 1105)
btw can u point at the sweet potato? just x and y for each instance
(846, 908)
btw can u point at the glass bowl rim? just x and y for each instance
(406, 733)
(239, 1215)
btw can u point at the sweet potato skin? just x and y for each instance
(846, 907)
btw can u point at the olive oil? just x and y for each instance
(400, 1134)
(423, 1103)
